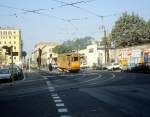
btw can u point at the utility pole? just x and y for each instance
(106, 43)
(12, 61)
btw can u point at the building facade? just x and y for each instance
(10, 37)
(47, 55)
(93, 55)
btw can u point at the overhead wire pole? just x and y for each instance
(103, 28)
(105, 41)
(107, 59)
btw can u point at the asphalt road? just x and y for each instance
(85, 94)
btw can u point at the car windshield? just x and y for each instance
(4, 71)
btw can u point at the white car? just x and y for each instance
(54, 66)
(114, 66)
(5, 74)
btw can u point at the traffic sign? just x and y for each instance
(15, 53)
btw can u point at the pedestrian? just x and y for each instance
(50, 67)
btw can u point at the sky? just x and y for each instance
(54, 22)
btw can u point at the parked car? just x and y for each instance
(114, 66)
(83, 66)
(20, 72)
(5, 74)
(14, 72)
(54, 66)
(123, 67)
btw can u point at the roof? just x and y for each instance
(9, 28)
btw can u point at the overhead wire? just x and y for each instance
(37, 11)
(69, 4)
(74, 4)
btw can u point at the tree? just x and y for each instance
(129, 30)
(70, 45)
(148, 31)
(24, 54)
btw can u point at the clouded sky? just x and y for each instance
(57, 21)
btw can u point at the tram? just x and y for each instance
(69, 62)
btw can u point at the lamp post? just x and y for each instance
(9, 51)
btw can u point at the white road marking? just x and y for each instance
(65, 116)
(60, 104)
(48, 83)
(113, 76)
(45, 78)
(24, 76)
(51, 88)
(62, 110)
(56, 97)
(48, 76)
(79, 74)
(56, 101)
(87, 81)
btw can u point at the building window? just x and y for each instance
(5, 42)
(14, 32)
(9, 37)
(14, 57)
(0, 42)
(14, 47)
(14, 42)
(9, 42)
(9, 33)
(4, 32)
(91, 50)
(14, 37)
(50, 50)
(9, 57)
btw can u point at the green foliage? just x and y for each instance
(24, 54)
(130, 29)
(70, 45)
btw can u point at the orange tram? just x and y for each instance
(69, 62)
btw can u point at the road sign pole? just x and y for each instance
(12, 61)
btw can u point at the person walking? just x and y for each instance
(50, 67)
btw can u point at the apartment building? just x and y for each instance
(10, 37)
(47, 56)
(94, 54)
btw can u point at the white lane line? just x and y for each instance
(58, 100)
(65, 116)
(56, 97)
(83, 74)
(45, 78)
(48, 83)
(49, 76)
(82, 82)
(62, 110)
(113, 76)
(60, 104)
(24, 76)
(51, 88)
